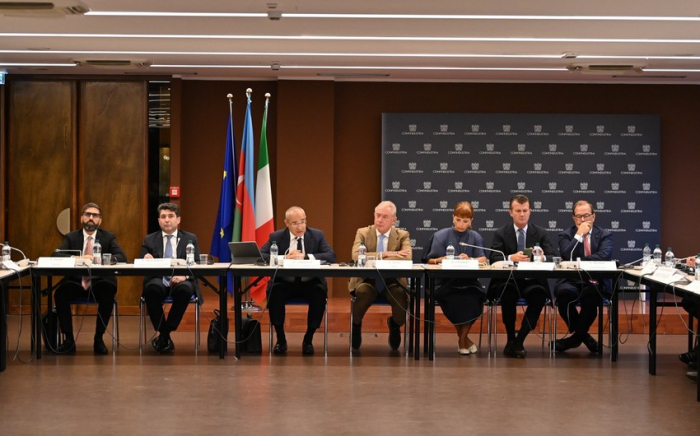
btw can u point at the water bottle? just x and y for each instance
(274, 252)
(189, 249)
(670, 258)
(6, 252)
(697, 267)
(362, 255)
(646, 255)
(537, 253)
(657, 255)
(450, 251)
(97, 253)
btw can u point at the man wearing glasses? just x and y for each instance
(79, 243)
(297, 242)
(385, 240)
(586, 241)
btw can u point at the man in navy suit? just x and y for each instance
(103, 289)
(586, 241)
(170, 242)
(297, 242)
(511, 240)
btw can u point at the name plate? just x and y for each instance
(301, 263)
(599, 265)
(56, 262)
(393, 264)
(153, 263)
(536, 266)
(666, 275)
(460, 264)
(648, 269)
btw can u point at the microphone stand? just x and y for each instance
(505, 259)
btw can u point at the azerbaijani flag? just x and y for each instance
(264, 224)
(244, 218)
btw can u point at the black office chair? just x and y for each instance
(298, 302)
(167, 300)
(492, 315)
(90, 301)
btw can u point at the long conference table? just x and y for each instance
(6, 276)
(677, 287)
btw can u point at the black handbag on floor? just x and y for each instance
(214, 337)
(251, 335)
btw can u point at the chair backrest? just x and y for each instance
(426, 250)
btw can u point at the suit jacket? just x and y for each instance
(314, 243)
(153, 245)
(398, 240)
(601, 247)
(75, 241)
(505, 240)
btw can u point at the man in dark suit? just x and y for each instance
(512, 240)
(586, 241)
(297, 242)
(103, 289)
(171, 242)
(383, 239)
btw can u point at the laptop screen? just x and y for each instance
(245, 252)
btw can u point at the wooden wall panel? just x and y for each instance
(40, 164)
(113, 141)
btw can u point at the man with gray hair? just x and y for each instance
(393, 244)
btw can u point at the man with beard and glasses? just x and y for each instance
(103, 289)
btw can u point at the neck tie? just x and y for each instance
(380, 246)
(521, 240)
(168, 255)
(88, 250)
(587, 244)
(300, 245)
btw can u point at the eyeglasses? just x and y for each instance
(298, 223)
(91, 215)
(583, 217)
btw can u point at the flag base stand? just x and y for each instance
(249, 306)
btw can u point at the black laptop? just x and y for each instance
(245, 253)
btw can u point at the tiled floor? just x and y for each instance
(376, 391)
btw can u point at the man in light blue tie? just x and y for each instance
(383, 239)
(169, 242)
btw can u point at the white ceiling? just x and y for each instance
(247, 48)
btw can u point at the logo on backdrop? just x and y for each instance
(631, 246)
(475, 131)
(615, 227)
(489, 227)
(395, 187)
(412, 169)
(615, 189)
(631, 208)
(615, 151)
(646, 228)
(600, 207)
(631, 131)
(506, 169)
(521, 189)
(443, 207)
(631, 170)
(584, 189)
(569, 169)
(584, 151)
(395, 149)
(569, 131)
(552, 226)
(537, 207)
(427, 187)
(552, 189)
(600, 170)
(458, 188)
(646, 189)
(474, 169)
(444, 130)
(412, 207)
(443, 169)
(537, 131)
(506, 131)
(490, 149)
(412, 130)
(459, 149)
(427, 149)
(537, 169)
(599, 131)
(427, 226)
(568, 207)
(522, 150)
(490, 189)
(552, 151)
(646, 151)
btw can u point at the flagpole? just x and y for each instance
(248, 305)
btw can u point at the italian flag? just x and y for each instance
(264, 224)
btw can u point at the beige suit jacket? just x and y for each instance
(398, 240)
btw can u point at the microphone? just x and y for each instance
(629, 264)
(19, 251)
(79, 261)
(506, 262)
(571, 255)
